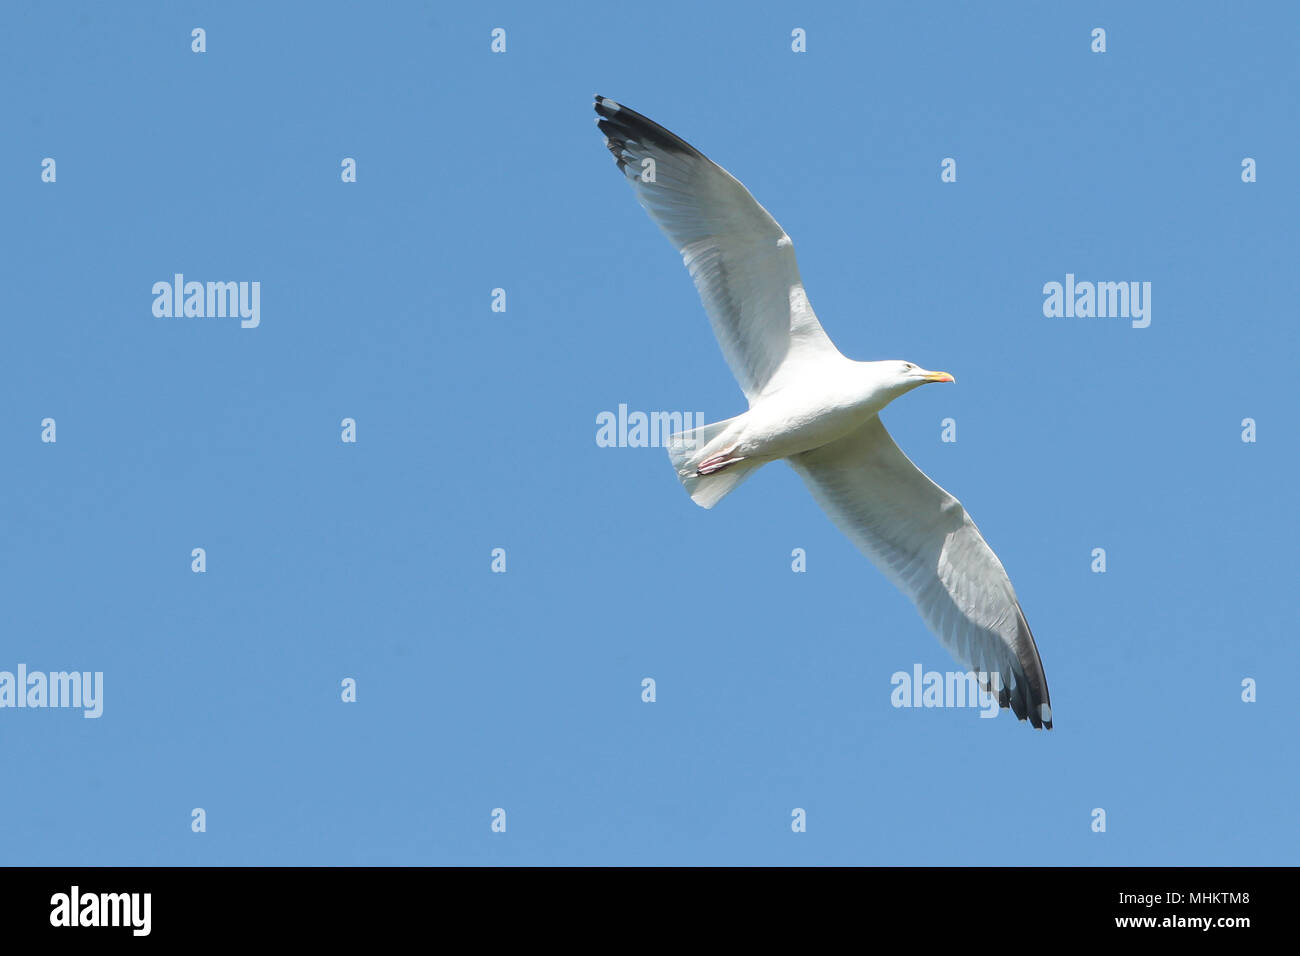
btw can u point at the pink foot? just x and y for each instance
(717, 463)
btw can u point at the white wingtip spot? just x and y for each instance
(610, 104)
(1045, 712)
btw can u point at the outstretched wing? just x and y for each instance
(742, 261)
(922, 539)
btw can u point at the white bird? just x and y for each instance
(818, 410)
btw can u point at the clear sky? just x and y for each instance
(476, 429)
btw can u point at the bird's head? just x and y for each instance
(905, 376)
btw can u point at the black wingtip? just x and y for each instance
(1034, 701)
(627, 124)
(1039, 714)
(1027, 700)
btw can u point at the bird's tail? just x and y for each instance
(691, 448)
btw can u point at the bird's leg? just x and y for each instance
(711, 466)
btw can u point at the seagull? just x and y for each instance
(819, 411)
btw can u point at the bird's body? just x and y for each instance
(818, 410)
(807, 413)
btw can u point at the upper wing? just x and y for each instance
(922, 539)
(741, 260)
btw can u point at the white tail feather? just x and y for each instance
(687, 449)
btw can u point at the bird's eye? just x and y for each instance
(908, 366)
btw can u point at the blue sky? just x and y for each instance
(476, 430)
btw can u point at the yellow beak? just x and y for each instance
(939, 377)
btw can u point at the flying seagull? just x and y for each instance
(818, 410)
